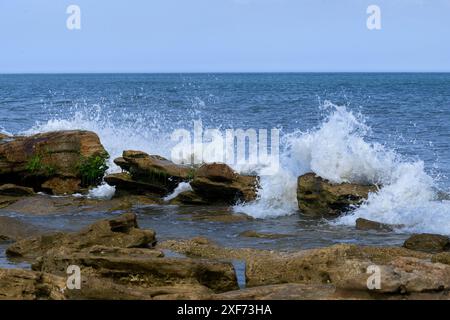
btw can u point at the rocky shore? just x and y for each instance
(119, 260)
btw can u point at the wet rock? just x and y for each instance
(428, 242)
(125, 184)
(153, 170)
(15, 191)
(12, 229)
(188, 198)
(262, 235)
(122, 232)
(364, 224)
(18, 284)
(56, 162)
(142, 268)
(218, 183)
(319, 197)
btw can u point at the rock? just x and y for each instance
(188, 198)
(153, 170)
(404, 275)
(121, 232)
(442, 257)
(126, 185)
(319, 197)
(262, 235)
(15, 191)
(288, 291)
(56, 162)
(12, 229)
(329, 265)
(142, 268)
(18, 284)
(428, 243)
(364, 224)
(218, 183)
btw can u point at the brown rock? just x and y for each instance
(121, 232)
(325, 265)
(15, 191)
(153, 170)
(36, 161)
(18, 284)
(319, 197)
(143, 268)
(364, 224)
(188, 198)
(126, 185)
(218, 183)
(428, 243)
(288, 291)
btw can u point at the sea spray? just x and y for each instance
(337, 149)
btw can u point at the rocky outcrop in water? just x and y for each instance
(365, 224)
(218, 183)
(427, 242)
(55, 162)
(319, 197)
(149, 174)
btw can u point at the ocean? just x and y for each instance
(386, 128)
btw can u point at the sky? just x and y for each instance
(224, 36)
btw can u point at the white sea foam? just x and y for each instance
(182, 187)
(102, 192)
(338, 150)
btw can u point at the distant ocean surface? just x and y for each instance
(393, 129)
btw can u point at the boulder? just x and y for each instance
(122, 232)
(15, 191)
(56, 162)
(218, 183)
(319, 197)
(17, 284)
(153, 170)
(12, 229)
(428, 243)
(364, 224)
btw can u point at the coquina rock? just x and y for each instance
(218, 183)
(17, 284)
(55, 162)
(319, 197)
(122, 232)
(148, 173)
(428, 242)
(137, 267)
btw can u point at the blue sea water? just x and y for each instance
(390, 128)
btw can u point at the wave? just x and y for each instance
(339, 149)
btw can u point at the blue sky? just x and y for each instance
(224, 36)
